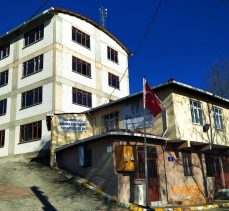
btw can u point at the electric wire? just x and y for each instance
(153, 18)
(38, 9)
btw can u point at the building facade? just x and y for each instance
(56, 62)
(187, 146)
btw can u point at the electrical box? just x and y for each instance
(124, 158)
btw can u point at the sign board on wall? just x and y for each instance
(70, 124)
(171, 158)
(133, 116)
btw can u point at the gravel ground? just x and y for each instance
(27, 185)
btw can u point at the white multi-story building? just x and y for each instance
(56, 62)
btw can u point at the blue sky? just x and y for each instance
(184, 42)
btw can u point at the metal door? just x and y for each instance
(153, 185)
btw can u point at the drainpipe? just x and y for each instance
(165, 121)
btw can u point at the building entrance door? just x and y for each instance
(218, 181)
(153, 185)
(225, 162)
(153, 174)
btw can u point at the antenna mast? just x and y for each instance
(103, 16)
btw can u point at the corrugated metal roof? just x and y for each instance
(160, 86)
(111, 133)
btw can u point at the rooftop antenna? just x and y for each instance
(103, 15)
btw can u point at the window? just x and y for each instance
(151, 162)
(3, 105)
(81, 97)
(33, 66)
(34, 35)
(80, 37)
(4, 78)
(31, 98)
(2, 138)
(81, 67)
(212, 165)
(4, 51)
(110, 121)
(112, 54)
(187, 164)
(196, 112)
(218, 118)
(30, 132)
(113, 80)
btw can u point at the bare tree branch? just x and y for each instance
(219, 79)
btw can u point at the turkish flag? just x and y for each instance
(151, 101)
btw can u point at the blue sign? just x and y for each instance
(170, 158)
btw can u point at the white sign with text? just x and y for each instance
(133, 116)
(69, 124)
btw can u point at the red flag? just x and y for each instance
(151, 101)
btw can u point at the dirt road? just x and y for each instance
(28, 186)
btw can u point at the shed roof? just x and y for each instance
(110, 134)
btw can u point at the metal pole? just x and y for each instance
(145, 146)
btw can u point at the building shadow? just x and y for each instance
(44, 199)
(43, 156)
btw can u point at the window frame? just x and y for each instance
(113, 78)
(209, 163)
(5, 76)
(75, 62)
(76, 99)
(3, 107)
(111, 121)
(38, 65)
(212, 163)
(36, 100)
(37, 32)
(85, 156)
(187, 163)
(196, 112)
(36, 133)
(6, 49)
(152, 162)
(2, 138)
(82, 39)
(218, 118)
(110, 52)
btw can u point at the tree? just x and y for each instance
(219, 79)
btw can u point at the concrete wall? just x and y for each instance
(96, 56)
(34, 146)
(173, 186)
(56, 78)
(4, 150)
(180, 187)
(15, 116)
(186, 130)
(60, 138)
(102, 171)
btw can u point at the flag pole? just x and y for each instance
(145, 146)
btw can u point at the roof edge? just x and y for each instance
(111, 133)
(65, 11)
(174, 82)
(167, 83)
